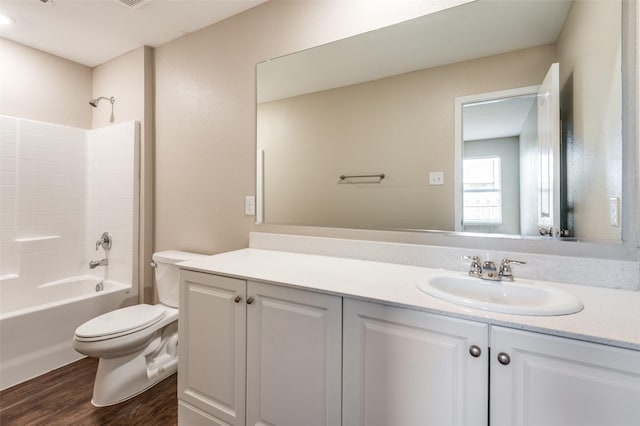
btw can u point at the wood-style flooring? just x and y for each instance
(63, 397)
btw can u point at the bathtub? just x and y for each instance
(37, 324)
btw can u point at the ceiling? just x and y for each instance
(92, 32)
(501, 118)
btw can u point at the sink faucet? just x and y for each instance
(487, 270)
(93, 264)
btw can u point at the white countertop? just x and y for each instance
(609, 316)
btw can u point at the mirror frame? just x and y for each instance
(626, 249)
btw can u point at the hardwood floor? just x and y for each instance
(63, 397)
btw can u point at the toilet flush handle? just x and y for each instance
(153, 264)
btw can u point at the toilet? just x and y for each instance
(137, 345)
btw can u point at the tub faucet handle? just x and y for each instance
(104, 241)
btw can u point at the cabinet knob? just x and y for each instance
(249, 300)
(503, 358)
(475, 351)
(237, 299)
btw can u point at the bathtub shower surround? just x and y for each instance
(61, 188)
(113, 188)
(44, 170)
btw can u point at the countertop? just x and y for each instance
(609, 316)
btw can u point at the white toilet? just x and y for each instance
(137, 345)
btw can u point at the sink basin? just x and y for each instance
(521, 297)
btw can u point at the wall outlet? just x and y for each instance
(614, 211)
(436, 178)
(250, 205)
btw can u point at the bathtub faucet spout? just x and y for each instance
(93, 264)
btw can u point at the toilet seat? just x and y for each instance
(120, 322)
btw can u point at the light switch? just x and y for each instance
(250, 205)
(436, 178)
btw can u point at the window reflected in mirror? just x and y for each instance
(482, 187)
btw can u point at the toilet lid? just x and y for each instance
(121, 321)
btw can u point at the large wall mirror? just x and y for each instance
(499, 117)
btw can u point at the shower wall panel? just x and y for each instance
(44, 206)
(113, 189)
(60, 189)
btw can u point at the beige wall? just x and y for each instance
(123, 78)
(205, 92)
(130, 79)
(38, 86)
(593, 30)
(402, 126)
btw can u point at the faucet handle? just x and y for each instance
(475, 269)
(505, 269)
(105, 241)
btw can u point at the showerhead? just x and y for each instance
(94, 102)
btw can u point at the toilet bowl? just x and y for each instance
(137, 345)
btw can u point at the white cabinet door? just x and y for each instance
(212, 348)
(294, 347)
(408, 368)
(547, 381)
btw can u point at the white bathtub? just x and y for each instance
(37, 324)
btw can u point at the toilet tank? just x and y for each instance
(168, 275)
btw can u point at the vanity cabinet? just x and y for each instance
(253, 353)
(406, 367)
(538, 379)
